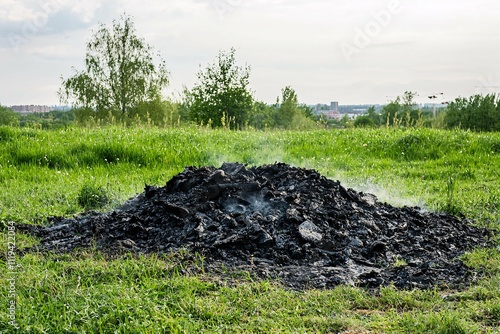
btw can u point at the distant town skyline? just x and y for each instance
(30, 108)
(364, 52)
(334, 105)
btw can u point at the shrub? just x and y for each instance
(92, 197)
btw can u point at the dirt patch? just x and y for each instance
(279, 221)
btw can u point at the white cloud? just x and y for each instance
(85, 9)
(16, 11)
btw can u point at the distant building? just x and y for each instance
(329, 111)
(334, 106)
(332, 114)
(434, 105)
(26, 109)
(336, 111)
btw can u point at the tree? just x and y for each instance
(371, 119)
(402, 111)
(478, 112)
(8, 116)
(54, 119)
(373, 115)
(262, 116)
(157, 113)
(345, 121)
(391, 111)
(363, 122)
(290, 114)
(221, 97)
(120, 73)
(410, 112)
(288, 107)
(307, 111)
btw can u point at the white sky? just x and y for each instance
(354, 52)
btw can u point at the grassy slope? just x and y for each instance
(41, 174)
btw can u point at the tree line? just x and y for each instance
(124, 82)
(476, 113)
(53, 119)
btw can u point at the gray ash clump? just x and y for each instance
(282, 222)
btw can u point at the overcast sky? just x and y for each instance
(354, 52)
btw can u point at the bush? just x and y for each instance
(364, 122)
(8, 117)
(93, 197)
(477, 113)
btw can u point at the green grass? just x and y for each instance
(53, 173)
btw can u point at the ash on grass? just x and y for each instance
(277, 221)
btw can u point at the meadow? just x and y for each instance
(50, 173)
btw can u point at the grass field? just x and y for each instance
(47, 173)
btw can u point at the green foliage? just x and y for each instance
(120, 74)
(87, 116)
(390, 112)
(289, 114)
(373, 115)
(91, 197)
(263, 116)
(414, 146)
(450, 205)
(402, 112)
(477, 113)
(155, 113)
(54, 119)
(149, 113)
(8, 117)
(370, 119)
(363, 122)
(221, 97)
(7, 133)
(451, 322)
(486, 259)
(345, 121)
(288, 107)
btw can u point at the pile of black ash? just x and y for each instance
(279, 221)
